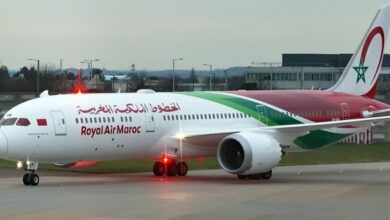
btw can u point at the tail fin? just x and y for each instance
(360, 77)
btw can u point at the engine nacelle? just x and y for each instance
(248, 153)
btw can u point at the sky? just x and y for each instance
(150, 33)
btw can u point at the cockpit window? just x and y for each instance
(23, 122)
(9, 121)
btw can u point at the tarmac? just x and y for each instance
(342, 191)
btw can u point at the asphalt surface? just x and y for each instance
(348, 191)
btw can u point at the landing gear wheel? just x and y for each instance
(256, 176)
(30, 179)
(182, 168)
(159, 169)
(267, 175)
(34, 179)
(26, 179)
(172, 169)
(242, 177)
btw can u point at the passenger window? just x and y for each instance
(130, 119)
(90, 120)
(23, 122)
(121, 119)
(108, 119)
(185, 117)
(100, 120)
(77, 120)
(164, 117)
(86, 120)
(95, 120)
(81, 120)
(104, 120)
(113, 119)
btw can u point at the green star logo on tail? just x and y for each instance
(360, 70)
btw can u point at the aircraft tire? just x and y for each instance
(242, 177)
(26, 179)
(34, 179)
(159, 169)
(182, 168)
(256, 176)
(267, 175)
(172, 169)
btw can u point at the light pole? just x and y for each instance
(37, 60)
(173, 72)
(226, 79)
(90, 66)
(211, 69)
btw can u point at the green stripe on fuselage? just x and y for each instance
(272, 117)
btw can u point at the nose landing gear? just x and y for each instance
(31, 178)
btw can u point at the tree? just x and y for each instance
(4, 73)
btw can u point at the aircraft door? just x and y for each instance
(344, 111)
(59, 122)
(262, 114)
(149, 122)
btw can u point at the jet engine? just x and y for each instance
(248, 153)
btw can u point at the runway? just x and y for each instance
(348, 191)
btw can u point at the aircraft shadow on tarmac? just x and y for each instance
(308, 177)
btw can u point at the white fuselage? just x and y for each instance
(116, 126)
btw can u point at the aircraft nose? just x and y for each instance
(3, 145)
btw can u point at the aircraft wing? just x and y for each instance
(293, 130)
(377, 113)
(299, 128)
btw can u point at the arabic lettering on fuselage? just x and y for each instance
(129, 108)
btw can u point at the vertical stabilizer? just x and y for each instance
(360, 77)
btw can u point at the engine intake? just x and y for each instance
(248, 153)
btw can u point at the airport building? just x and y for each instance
(304, 71)
(318, 71)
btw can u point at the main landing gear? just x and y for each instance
(257, 176)
(170, 168)
(31, 178)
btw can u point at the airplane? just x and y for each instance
(248, 131)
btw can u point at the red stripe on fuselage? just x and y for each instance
(296, 101)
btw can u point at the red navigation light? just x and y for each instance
(165, 160)
(79, 88)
